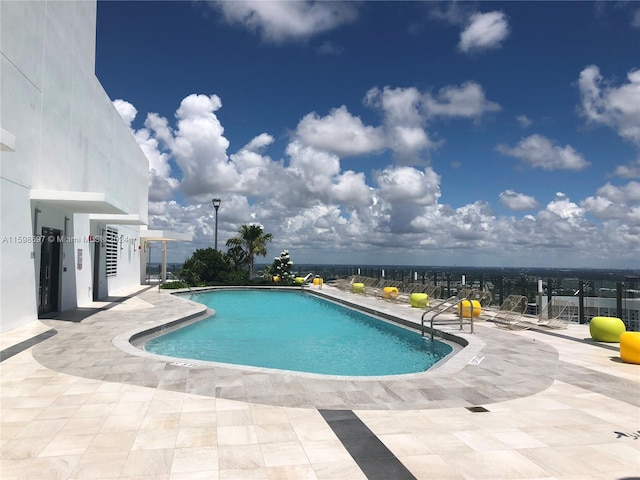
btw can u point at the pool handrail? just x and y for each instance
(449, 303)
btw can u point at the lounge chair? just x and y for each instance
(345, 283)
(557, 314)
(511, 309)
(434, 291)
(484, 297)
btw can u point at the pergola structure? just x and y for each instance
(163, 236)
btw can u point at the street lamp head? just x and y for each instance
(216, 203)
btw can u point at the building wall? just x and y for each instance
(68, 138)
(17, 273)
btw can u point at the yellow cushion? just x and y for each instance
(465, 308)
(389, 292)
(606, 329)
(419, 300)
(357, 288)
(630, 347)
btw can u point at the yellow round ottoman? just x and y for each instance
(419, 300)
(630, 347)
(464, 308)
(390, 292)
(317, 281)
(357, 288)
(606, 329)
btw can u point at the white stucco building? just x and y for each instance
(74, 182)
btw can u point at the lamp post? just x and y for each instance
(216, 204)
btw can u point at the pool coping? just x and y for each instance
(464, 349)
(495, 365)
(130, 341)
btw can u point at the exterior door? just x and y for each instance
(49, 271)
(96, 271)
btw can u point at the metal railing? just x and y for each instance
(456, 302)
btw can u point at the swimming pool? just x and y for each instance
(298, 331)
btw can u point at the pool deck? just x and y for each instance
(84, 404)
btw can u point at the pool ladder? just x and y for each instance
(193, 292)
(448, 304)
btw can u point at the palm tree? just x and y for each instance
(253, 240)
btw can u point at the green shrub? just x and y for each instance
(206, 265)
(173, 285)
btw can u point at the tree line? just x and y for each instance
(208, 266)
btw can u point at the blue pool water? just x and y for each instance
(293, 330)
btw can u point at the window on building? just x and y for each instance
(112, 251)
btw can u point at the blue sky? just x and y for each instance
(426, 133)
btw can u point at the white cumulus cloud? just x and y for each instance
(404, 120)
(351, 189)
(619, 204)
(626, 194)
(631, 170)
(259, 143)
(538, 151)
(126, 110)
(161, 182)
(340, 133)
(279, 21)
(318, 209)
(517, 201)
(524, 121)
(615, 107)
(562, 206)
(484, 31)
(407, 112)
(399, 105)
(465, 101)
(407, 184)
(200, 147)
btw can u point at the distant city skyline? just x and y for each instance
(587, 274)
(401, 133)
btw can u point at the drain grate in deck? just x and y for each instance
(477, 409)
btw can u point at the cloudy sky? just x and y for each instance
(415, 133)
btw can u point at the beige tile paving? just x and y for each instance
(60, 426)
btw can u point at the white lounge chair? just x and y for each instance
(511, 309)
(557, 314)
